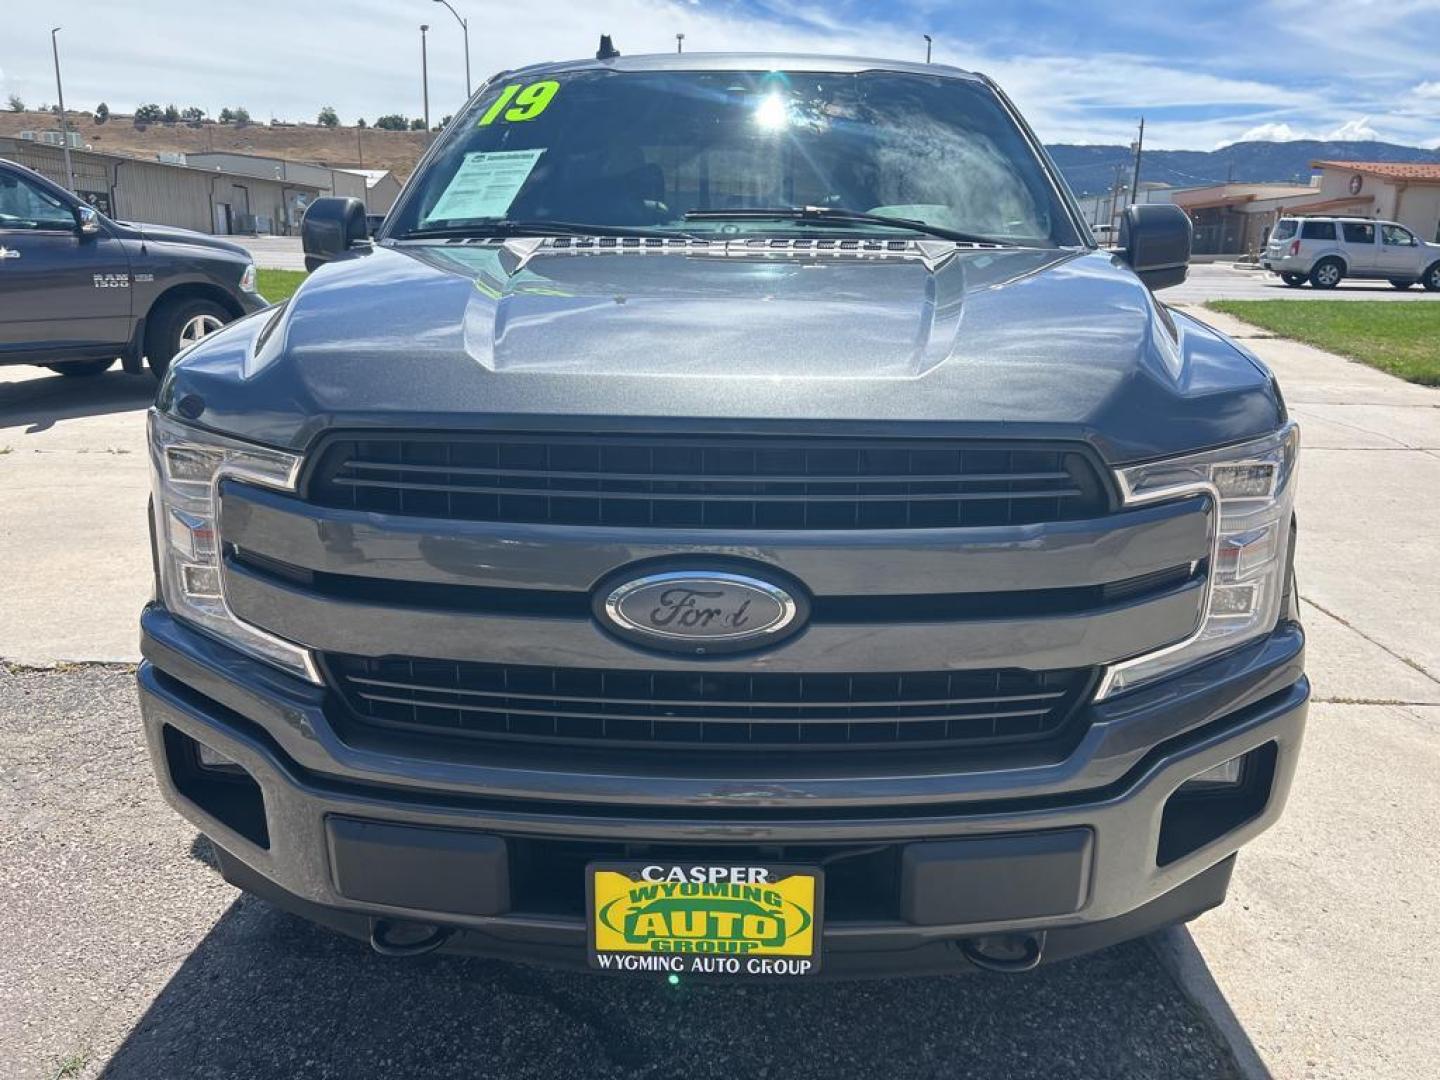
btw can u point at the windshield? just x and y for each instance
(638, 151)
(1285, 228)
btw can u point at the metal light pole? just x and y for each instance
(60, 92)
(679, 43)
(464, 26)
(425, 76)
(927, 47)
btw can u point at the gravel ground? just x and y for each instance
(128, 957)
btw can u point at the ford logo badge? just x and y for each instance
(701, 611)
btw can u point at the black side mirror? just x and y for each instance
(331, 228)
(1155, 240)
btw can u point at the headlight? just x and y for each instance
(247, 278)
(186, 467)
(1254, 485)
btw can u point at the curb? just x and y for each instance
(1183, 961)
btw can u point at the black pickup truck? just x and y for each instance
(731, 520)
(78, 290)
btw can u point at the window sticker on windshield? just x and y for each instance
(525, 102)
(485, 185)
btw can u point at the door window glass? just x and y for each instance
(25, 206)
(1359, 232)
(1396, 236)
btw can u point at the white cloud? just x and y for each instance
(145, 51)
(1280, 132)
(1356, 129)
(1353, 130)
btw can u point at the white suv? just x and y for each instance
(1322, 250)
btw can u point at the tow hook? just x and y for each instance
(389, 937)
(1005, 952)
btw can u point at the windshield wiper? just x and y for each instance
(832, 215)
(505, 227)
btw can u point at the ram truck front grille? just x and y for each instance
(710, 482)
(706, 710)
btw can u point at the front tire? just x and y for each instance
(81, 369)
(1431, 280)
(1293, 280)
(1326, 274)
(1398, 283)
(177, 325)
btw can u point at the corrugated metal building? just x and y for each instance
(342, 182)
(140, 189)
(382, 187)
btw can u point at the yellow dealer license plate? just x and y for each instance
(689, 919)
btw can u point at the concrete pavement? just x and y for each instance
(1324, 954)
(1320, 966)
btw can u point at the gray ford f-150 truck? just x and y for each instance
(78, 289)
(731, 520)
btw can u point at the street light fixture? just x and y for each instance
(679, 43)
(464, 26)
(60, 92)
(425, 76)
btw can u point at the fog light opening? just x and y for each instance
(1215, 802)
(217, 785)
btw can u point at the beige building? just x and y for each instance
(166, 193)
(1232, 219)
(1236, 219)
(1386, 190)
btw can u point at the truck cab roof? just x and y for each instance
(745, 61)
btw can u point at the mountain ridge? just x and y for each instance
(1090, 169)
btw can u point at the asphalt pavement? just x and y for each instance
(127, 957)
(1226, 281)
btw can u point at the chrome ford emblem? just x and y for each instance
(701, 611)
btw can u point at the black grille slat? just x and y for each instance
(750, 497)
(510, 710)
(385, 683)
(707, 710)
(710, 482)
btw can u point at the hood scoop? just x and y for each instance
(775, 309)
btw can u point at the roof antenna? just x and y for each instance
(607, 51)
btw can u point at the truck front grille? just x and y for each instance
(706, 710)
(710, 482)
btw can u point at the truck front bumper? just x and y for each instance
(1087, 865)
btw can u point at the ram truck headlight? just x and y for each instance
(187, 466)
(1253, 485)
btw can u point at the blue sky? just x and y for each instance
(1202, 73)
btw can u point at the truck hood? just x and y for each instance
(168, 234)
(989, 342)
